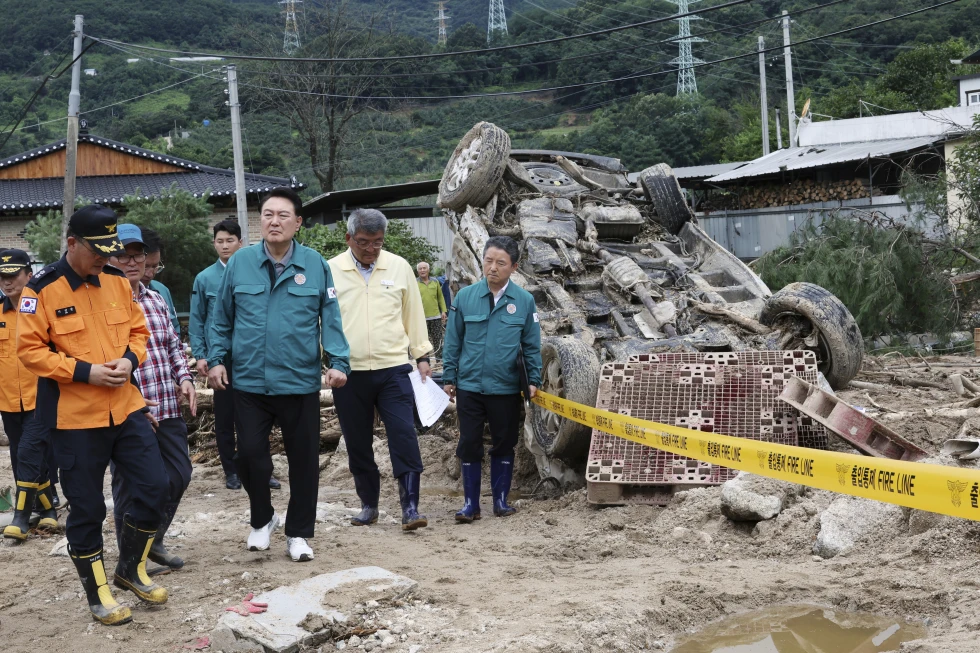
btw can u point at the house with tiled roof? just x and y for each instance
(32, 182)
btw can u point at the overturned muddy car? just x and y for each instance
(619, 270)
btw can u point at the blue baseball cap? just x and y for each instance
(129, 234)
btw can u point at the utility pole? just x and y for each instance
(790, 98)
(686, 82)
(442, 17)
(71, 141)
(779, 132)
(497, 21)
(762, 94)
(241, 203)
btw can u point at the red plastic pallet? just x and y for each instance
(732, 393)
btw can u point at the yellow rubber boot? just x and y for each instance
(91, 571)
(131, 569)
(23, 504)
(49, 516)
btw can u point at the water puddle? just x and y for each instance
(802, 629)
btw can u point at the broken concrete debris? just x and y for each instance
(325, 599)
(751, 498)
(849, 519)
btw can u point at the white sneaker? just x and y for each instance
(298, 549)
(258, 539)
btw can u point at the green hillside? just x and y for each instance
(901, 65)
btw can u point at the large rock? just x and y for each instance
(330, 596)
(848, 519)
(752, 498)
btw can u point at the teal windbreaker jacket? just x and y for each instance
(481, 345)
(274, 327)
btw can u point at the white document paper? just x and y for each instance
(430, 399)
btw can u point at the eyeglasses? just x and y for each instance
(160, 267)
(126, 258)
(369, 244)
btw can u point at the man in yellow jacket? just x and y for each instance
(385, 324)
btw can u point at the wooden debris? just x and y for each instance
(745, 322)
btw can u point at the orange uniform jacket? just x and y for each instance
(68, 323)
(18, 387)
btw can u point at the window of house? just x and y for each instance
(972, 98)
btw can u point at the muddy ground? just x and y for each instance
(559, 576)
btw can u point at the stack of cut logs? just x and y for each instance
(803, 191)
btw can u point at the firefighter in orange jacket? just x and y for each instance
(82, 332)
(30, 452)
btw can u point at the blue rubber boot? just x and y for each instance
(408, 493)
(368, 488)
(501, 474)
(471, 473)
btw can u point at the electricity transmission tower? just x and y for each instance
(290, 39)
(442, 18)
(686, 83)
(497, 21)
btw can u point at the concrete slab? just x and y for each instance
(330, 595)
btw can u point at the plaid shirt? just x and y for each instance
(165, 366)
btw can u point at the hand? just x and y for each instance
(149, 416)
(218, 377)
(336, 378)
(122, 365)
(450, 390)
(425, 371)
(202, 367)
(108, 376)
(444, 318)
(533, 389)
(190, 394)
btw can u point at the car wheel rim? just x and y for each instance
(553, 383)
(464, 164)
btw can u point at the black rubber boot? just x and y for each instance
(501, 474)
(131, 569)
(368, 487)
(49, 516)
(472, 474)
(91, 571)
(408, 493)
(23, 505)
(158, 552)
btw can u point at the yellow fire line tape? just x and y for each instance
(946, 490)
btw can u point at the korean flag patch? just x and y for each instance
(332, 293)
(535, 316)
(28, 305)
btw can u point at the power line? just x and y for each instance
(612, 80)
(431, 55)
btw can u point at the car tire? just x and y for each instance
(661, 187)
(475, 169)
(840, 348)
(569, 370)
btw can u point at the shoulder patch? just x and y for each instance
(535, 315)
(28, 305)
(332, 293)
(48, 275)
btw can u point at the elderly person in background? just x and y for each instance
(434, 305)
(385, 323)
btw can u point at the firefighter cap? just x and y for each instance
(13, 261)
(97, 225)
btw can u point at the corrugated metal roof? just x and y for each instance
(798, 158)
(703, 172)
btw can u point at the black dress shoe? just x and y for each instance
(274, 484)
(232, 482)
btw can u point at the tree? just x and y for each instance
(399, 240)
(181, 221)
(43, 234)
(320, 101)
